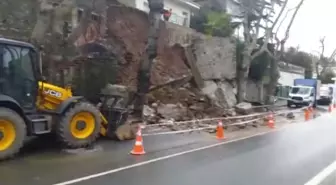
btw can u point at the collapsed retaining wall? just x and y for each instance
(211, 61)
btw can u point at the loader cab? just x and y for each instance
(19, 72)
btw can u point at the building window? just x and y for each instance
(185, 18)
(174, 18)
(95, 17)
(80, 12)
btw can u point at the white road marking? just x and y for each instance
(322, 175)
(159, 159)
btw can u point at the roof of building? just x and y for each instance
(190, 3)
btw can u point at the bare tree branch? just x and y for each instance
(332, 56)
(292, 20)
(281, 22)
(279, 15)
(322, 47)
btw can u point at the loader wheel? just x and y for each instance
(79, 126)
(12, 133)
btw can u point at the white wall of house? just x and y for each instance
(287, 78)
(181, 10)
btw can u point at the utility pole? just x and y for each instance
(144, 73)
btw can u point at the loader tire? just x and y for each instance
(79, 126)
(12, 133)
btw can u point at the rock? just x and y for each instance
(202, 99)
(222, 94)
(243, 108)
(230, 112)
(149, 114)
(229, 96)
(155, 105)
(290, 115)
(260, 109)
(197, 107)
(126, 131)
(253, 90)
(147, 111)
(172, 111)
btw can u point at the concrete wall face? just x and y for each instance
(214, 57)
(17, 19)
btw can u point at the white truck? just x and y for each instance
(326, 94)
(304, 92)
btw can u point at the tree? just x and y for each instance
(299, 58)
(327, 76)
(218, 24)
(257, 16)
(212, 20)
(279, 50)
(324, 61)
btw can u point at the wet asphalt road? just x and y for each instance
(41, 164)
(288, 157)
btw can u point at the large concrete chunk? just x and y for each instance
(172, 111)
(255, 92)
(215, 58)
(228, 94)
(221, 94)
(243, 108)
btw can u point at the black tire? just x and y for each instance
(20, 133)
(63, 128)
(289, 104)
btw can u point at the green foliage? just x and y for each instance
(259, 65)
(327, 76)
(299, 58)
(212, 20)
(218, 24)
(308, 74)
(258, 68)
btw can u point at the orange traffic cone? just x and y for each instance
(307, 114)
(270, 122)
(138, 148)
(220, 130)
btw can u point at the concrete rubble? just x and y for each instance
(243, 108)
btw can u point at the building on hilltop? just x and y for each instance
(181, 9)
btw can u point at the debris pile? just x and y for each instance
(180, 104)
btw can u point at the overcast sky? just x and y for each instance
(315, 19)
